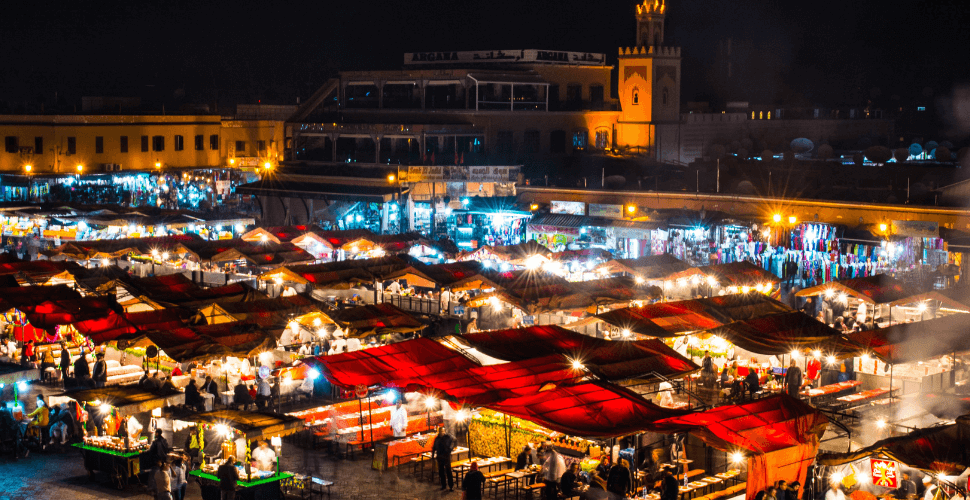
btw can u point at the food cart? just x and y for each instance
(120, 458)
(240, 432)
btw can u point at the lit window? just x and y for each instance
(636, 96)
(921, 108)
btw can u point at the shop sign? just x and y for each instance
(528, 320)
(567, 207)
(361, 391)
(607, 211)
(429, 173)
(885, 473)
(459, 310)
(516, 56)
(916, 228)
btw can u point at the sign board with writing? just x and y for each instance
(515, 56)
(430, 173)
(567, 207)
(607, 211)
(459, 310)
(916, 228)
(885, 473)
(528, 320)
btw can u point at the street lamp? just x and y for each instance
(158, 164)
(390, 177)
(776, 218)
(28, 168)
(267, 165)
(80, 168)
(792, 219)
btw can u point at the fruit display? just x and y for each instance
(487, 433)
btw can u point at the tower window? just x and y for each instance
(636, 96)
(665, 93)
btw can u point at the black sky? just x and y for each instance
(824, 52)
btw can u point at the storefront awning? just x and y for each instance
(255, 426)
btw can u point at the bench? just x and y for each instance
(532, 488)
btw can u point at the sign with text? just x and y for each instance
(431, 173)
(606, 211)
(516, 56)
(916, 228)
(567, 207)
(885, 473)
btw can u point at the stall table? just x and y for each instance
(263, 488)
(120, 466)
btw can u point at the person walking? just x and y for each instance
(65, 364)
(163, 481)
(553, 467)
(669, 489)
(177, 474)
(441, 451)
(474, 483)
(619, 481)
(228, 477)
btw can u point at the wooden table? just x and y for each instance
(484, 464)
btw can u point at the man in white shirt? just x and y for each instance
(834, 492)
(286, 338)
(264, 456)
(552, 470)
(399, 420)
(305, 350)
(394, 287)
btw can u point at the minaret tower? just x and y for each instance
(650, 23)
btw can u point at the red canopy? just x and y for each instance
(593, 409)
(408, 360)
(781, 333)
(129, 326)
(674, 318)
(761, 426)
(240, 338)
(609, 359)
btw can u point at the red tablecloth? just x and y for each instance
(833, 388)
(402, 449)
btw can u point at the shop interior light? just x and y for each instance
(831, 360)
(626, 332)
(267, 165)
(881, 423)
(836, 477)
(745, 289)
(80, 168)
(429, 403)
(577, 364)
(462, 415)
(737, 457)
(28, 168)
(312, 374)
(224, 430)
(921, 307)
(533, 207)
(792, 219)
(639, 280)
(711, 281)
(759, 287)
(776, 218)
(883, 227)
(276, 441)
(828, 293)
(390, 178)
(817, 354)
(158, 164)
(105, 408)
(865, 357)
(795, 353)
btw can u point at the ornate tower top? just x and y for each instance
(650, 23)
(651, 7)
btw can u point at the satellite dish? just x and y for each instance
(151, 351)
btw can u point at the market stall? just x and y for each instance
(239, 431)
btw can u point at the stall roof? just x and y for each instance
(177, 290)
(340, 271)
(669, 319)
(411, 359)
(376, 319)
(440, 274)
(592, 409)
(919, 341)
(761, 426)
(648, 267)
(128, 399)
(240, 339)
(280, 234)
(937, 450)
(612, 360)
(782, 333)
(129, 326)
(267, 312)
(878, 289)
(254, 425)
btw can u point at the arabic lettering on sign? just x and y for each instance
(885, 473)
(525, 56)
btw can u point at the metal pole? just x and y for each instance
(718, 175)
(370, 413)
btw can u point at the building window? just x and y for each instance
(240, 148)
(580, 139)
(38, 145)
(124, 144)
(72, 145)
(10, 144)
(261, 147)
(213, 142)
(179, 143)
(557, 141)
(199, 142)
(602, 138)
(596, 94)
(665, 94)
(158, 143)
(530, 141)
(574, 92)
(99, 145)
(636, 96)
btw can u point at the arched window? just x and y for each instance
(636, 96)
(665, 96)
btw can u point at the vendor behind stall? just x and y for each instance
(264, 456)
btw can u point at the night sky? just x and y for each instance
(824, 52)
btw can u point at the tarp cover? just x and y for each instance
(944, 449)
(779, 334)
(919, 341)
(410, 360)
(240, 339)
(254, 425)
(733, 274)
(376, 319)
(878, 289)
(611, 360)
(670, 319)
(648, 267)
(761, 426)
(129, 326)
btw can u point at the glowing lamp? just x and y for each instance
(158, 164)
(737, 457)
(22, 385)
(105, 408)
(817, 354)
(836, 477)
(390, 178)
(881, 423)
(313, 374)
(316, 322)
(759, 287)
(232, 161)
(267, 165)
(80, 168)
(711, 281)
(831, 360)
(157, 412)
(626, 332)
(276, 441)
(639, 280)
(829, 293)
(921, 307)
(865, 357)
(429, 403)
(577, 365)
(792, 219)
(462, 416)
(883, 227)
(776, 218)
(390, 396)
(533, 207)
(794, 353)
(631, 209)
(745, 289)
(28, 168)
(224, 430)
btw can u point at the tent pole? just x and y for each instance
(370, 413)
(891, 389)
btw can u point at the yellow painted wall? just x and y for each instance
(250, 132)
